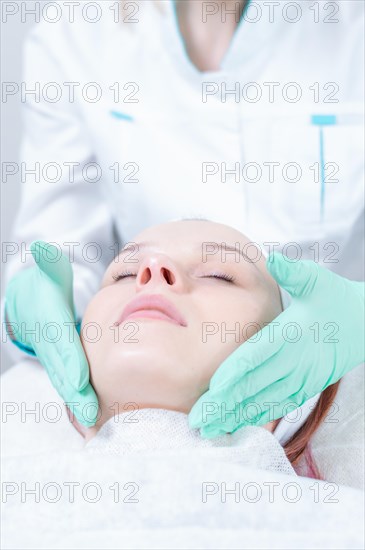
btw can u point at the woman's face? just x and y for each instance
(210, 300)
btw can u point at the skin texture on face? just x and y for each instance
(223, 295)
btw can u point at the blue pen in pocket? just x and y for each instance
(321, 121)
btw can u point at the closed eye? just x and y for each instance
(223, 276)
(123, 275)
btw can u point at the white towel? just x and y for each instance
(163, 431)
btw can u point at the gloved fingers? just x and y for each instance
(15, 291)
(84, 405)
(53, 366)
(275, 401)
(75, 364)
(285, 407)
(55, 265)
(58, 347)
(249, 412)
(71, 351)
(297, 277)
(281, 409)
(249, 355)
(51, 260)
(275, 369)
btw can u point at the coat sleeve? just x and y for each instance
(58, 203)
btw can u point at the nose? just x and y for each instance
(158, 270)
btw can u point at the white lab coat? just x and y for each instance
(166, 135)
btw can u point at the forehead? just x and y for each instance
(189, 233)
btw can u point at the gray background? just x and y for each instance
(13, 33)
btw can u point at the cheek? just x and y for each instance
(233, 317)
(227, 323)
(96, 329)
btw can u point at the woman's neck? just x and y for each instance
(207, 29)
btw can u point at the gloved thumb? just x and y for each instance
(298, 277)
(55, 265)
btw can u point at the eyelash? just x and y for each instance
(222, 276)
(122, 275)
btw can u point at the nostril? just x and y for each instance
(146, 276)
(169, 277)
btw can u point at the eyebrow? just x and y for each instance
(136, 247)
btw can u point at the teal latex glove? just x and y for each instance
(268, 376)
(40, 298)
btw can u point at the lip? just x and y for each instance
(153, 306)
